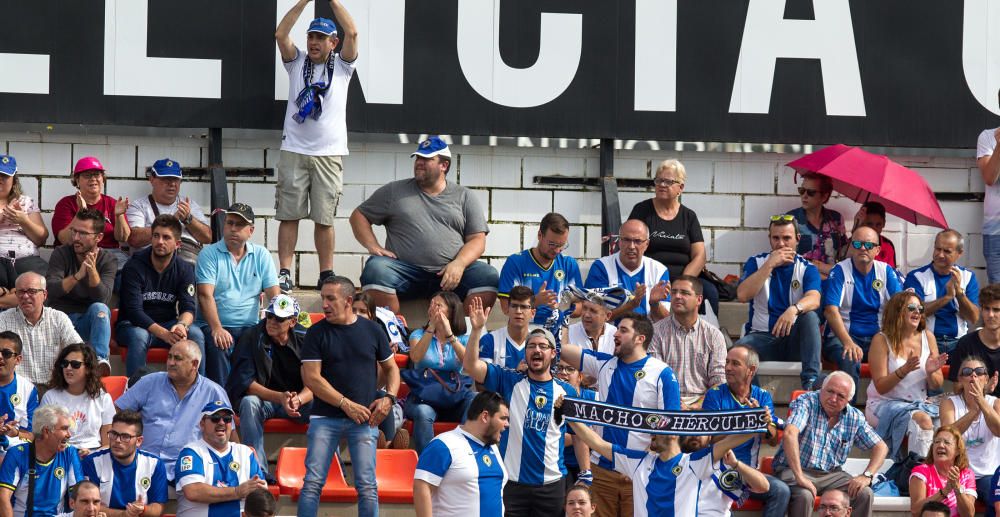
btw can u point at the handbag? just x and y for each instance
(727, 291)
(435, 391)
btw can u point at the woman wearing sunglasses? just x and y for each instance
(822, 229)
(76, 386)
(904, 362)
(945, 476)
(977, 416)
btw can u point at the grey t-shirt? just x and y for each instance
(423, 230)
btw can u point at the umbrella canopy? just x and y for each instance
(863, 176)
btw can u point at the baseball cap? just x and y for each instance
(167, 168)
(432, 147)
(8, 165)
(323, 26)
(243, 210)
(283, 306)
(214, 407)
(88, 163)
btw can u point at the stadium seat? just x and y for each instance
(291, 471)
(404, 390)
(315, 317)
(402, 360)
(285, 426)
(439, 427)
(767, 465)
(115, 385)
(114, 321)
(153, 355)
(866, 371)
(394, 471)
(795, 394)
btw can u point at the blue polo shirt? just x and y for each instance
(169, 423)
(720, 398)
(237, 286)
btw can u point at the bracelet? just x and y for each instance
(341, 403)
(896, 372)
(449, 338)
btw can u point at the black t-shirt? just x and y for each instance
(669, 241)
(286, 370)
(349, 354)
(971, 344)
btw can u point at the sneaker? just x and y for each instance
(103, 368)
(382, 442)
(401, 440)
(323, 275)
(285, 282)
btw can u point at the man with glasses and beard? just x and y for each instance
(531, 450)
(214, 475)
(461, 472)
(133, 482)
(20, 398)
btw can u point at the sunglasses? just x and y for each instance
(76, 365)
(277, 319)
(808, 191)
(966, 372)
(216, 419)
(782, 217)
(7, 353)
(863, 244)
(915, 308)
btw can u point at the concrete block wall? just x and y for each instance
(732, 193)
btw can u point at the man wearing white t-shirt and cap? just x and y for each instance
(314, 139)
(165, 177)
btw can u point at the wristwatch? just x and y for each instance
(187, 220)
(868, 474)
(799, 309)
(391, 397)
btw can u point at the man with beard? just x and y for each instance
(630, 268)
(680, 475)
(738, 393)
(56, 465)
(81, 279)
(435, 233)
(461, 472)
(19, 395)
(156, 300)
(165, 179)
(135, 481)
(505, 345)
(532, 449)
(213, 473)
(628, 378)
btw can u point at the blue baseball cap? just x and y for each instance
(8, 165)
(167, 168)
(214, 407)
(323, 26)
(432, 147)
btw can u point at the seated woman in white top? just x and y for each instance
(76, 386)
(904, 362)
(977, 416)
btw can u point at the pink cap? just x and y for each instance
(88, 163)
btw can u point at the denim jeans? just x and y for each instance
(805, 332)
(776, 498)
(991, 252)
(216, 359)
(138, 341)
(424, 416)
(253, 412)
(94, 326)
(833, 350)
(394, 276)
(324, 438)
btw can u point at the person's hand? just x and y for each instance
(730, 459)
(522, 366)
(179, 330)
(780, 257)
(244, 488)
(853, 351)
(83, 451)
(558, 403)
(993, 383)
(6, 426)
(167, 336)
(451, 275)
(659, 292)
(183, 209)
(121, 206)
(379, 409)
(378, 251)
(935, 363)
(478, 316)
(135, 508)
(996, 134)
(953, 475)
(785, 322)
(859, 218)
(222, 338)
(808, 485)
(856, 484)
(291, 404)
(14, 213)
(637, 296)
(355, 412)
(546, 297)
(80, 202)
(912, 364)
(443, 326)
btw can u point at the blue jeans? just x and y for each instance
(424, 416)
(138, 341)
(217, 359)
(805, 332)
(991, 252)
(324, 438)
(393, 276)
(833, 350)
(253, 413)
(94, 326)
(776, 498)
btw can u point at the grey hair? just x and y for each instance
(194, 351)
(842, 375)
(844, 500)
(677, 167)
(753, 358)
(30, 274)
(959, 239)
(47, 417)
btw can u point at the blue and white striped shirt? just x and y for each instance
(784, 288)
(145, 478)
(860, 298)
(469, 475)
(928, 285)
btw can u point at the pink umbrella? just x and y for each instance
(863, 176)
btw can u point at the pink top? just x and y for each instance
(928, 474)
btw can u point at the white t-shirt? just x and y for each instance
(88, 415)
(991, 205)
(326, 136)
(140, 214)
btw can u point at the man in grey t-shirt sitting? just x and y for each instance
(439, 228)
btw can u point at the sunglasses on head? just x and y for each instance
(808, 191)
(221, 418)
(913, 307)
(863, 244)
(782, 217)
(7, 353)
(76, 365)
(965, 372)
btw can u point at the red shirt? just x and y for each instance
(887, 253)
(66, 209)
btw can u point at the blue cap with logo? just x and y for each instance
(214, 407)
(8, 165)
(167, 168)
(432, 147)
(323, 26)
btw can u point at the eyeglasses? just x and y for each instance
(216, 419)
(868, 246)
(76, 365)
(516, 307)
(665, 182)
(7, 353)
(277, 319)
(120, 437)
(915, 307)
(943, 441)
(90, 175)
(830, 508)
(558, 246)
(808, 191)
(28, 291)
(537, 346)
(633, 242)
(78, 233)
(782, 217)
(967, 372)
(568, 370)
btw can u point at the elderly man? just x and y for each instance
(266, 381)
(949, 291)
(853, 300)
(630, 268)
(435, 233)
(738, 392)
(134, 481)
(692, 347)
(593, 330)
(783, 291)
(835, 503)
(203, 488)
(505, 345)
(44, 330)
(20, 397)
(85, 500)
(231, 274)
(170, 403)
(56, 465)
(820, 431)
(165, 180)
